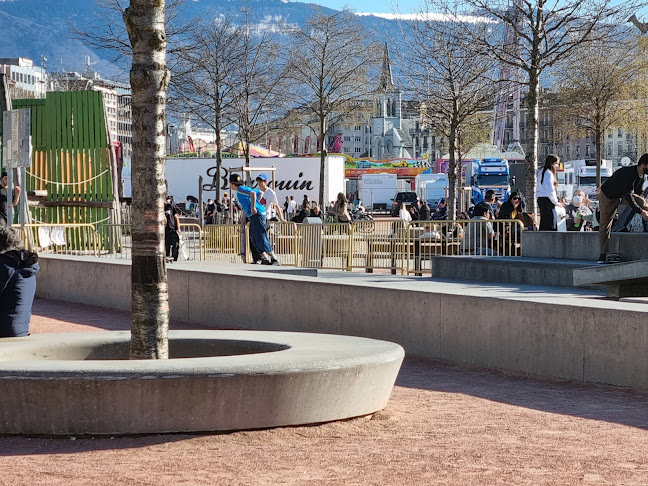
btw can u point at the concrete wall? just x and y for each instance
(575, 245)
(524, 331)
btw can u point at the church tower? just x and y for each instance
(387, 120)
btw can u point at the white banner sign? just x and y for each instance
(295, 177)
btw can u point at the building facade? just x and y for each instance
(26, 79)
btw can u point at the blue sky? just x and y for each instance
(379, 6)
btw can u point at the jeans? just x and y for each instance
(258, 234)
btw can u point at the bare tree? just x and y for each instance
(330, 60)
(258, 82)
(603, 87)
(532, 36)
(144, 20)
(109, 34)
(203, 85)
(453, 79)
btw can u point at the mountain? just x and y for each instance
(42, 28)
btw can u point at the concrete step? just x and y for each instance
(516, 270)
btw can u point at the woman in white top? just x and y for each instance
(547, 198)
(404, 214)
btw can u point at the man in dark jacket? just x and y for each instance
(18, 269)
(626, 185)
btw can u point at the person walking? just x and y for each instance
(292, 207)
(18, 269)
(547, 198)
(171, 232)
(269, 200)
(626, 184)
(250, 200)
(341, 209)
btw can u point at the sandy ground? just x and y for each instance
(443, 425)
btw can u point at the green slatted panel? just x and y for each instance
(70, 130)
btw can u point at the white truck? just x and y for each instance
(431, 188)
(581, 174)
(377, 190)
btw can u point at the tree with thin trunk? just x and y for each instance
(259, 83)
(203, 85)
(532, 36)
(453, 79)
(330, 60)
(602, 88)
(149, 78)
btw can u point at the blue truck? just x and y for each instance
(489, 174)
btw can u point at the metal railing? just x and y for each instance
(369, 245)
(460, 237)
(61, 238)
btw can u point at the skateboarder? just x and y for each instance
(624, 185)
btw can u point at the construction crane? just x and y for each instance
(509, 86)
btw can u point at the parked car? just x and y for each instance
(408, 198)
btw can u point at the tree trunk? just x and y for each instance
(599, 156)
(322, 160)
(219, 153)
(452, 174)
(531, 168)
(149, 78)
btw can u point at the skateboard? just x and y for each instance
(614, 258)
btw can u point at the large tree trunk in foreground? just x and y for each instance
(149, 78)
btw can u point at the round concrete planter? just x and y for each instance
(83, 383)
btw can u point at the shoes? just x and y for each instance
(265, 261)
(601, 258)
(274, 261)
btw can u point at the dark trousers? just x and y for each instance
(258, 233)
(547, 222)
(608, 208)
(172, 243)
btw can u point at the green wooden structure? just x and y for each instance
(72, 159)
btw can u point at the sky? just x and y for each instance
(372, 6)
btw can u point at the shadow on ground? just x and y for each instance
(611, 404)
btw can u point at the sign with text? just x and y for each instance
(16, 138)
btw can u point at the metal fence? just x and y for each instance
(368, 245)
(65, 239)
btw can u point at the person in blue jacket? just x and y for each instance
(18, 269)
(250, 200)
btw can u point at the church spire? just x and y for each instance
(386, 78)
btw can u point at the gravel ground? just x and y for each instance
(443, 425)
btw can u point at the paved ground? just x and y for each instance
(443, 425)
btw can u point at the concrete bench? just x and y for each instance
(628, 279)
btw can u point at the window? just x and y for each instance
(577, 150)
(545, 150)
(356, 150)
(609, 134)
(568, 149)
(587, 150)
(609, 151)
(545, 135)
(358, 139)
(620, 148)
(620, 133)
(357, 128)
(347, 139)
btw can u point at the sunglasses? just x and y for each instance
(516, 198)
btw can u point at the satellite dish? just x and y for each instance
(625, 161)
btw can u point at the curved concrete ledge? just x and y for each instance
(83, 383)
